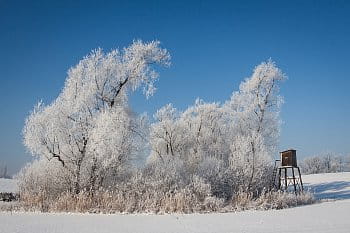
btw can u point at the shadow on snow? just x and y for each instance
(337, 190)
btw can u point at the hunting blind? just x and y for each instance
(289, 158)
(284, 173)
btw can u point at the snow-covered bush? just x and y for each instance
(42, 181)
(268, 200)
(43, 176)
(281, 200)
(217, 174)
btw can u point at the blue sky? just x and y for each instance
(214, 45)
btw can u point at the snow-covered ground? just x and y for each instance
(325, 217)
(8, 186)
(331, 216)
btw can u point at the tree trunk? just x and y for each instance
(253, 167)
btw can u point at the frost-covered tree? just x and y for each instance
(192, 135)
(90, 125)
(254, 112)
(165, 136)
(207, 130)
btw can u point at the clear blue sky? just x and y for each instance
(213, 44)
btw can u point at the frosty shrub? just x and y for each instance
(208, 157)
(40, 182)
(269, 200)
(280, 200)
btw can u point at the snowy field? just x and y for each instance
(330, 216)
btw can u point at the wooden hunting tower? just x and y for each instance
(284, 172)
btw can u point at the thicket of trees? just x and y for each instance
(203, 158)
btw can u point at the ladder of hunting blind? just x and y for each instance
(274, 174)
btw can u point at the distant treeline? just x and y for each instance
(325, 163)
(3, 171)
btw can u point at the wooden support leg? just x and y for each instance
(285, 179)
(295, 187)
(279, 178)
(301, 182)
